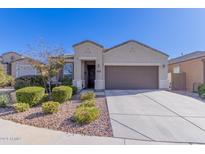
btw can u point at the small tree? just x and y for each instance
(48, 61)
(5, 79)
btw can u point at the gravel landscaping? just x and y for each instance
(63, 119)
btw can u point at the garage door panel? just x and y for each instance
(131, 77)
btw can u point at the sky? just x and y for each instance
(173, 31)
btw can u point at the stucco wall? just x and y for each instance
(4, 66)
(8, 58)
(134, 54)
(87, 52)
(130, 53)
(193, 69)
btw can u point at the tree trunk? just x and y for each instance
(45, 84)
(49, 87)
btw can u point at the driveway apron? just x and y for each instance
(156, 116)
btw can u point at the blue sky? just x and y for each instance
(170, 30)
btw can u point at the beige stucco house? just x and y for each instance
(192, 66)
(129, 65)
(16, 65)
(7, 59)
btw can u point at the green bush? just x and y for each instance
(29, 80)
(87, 95)
(84, 115)
(30, 95)
(45, 98)
(203, 96)
(50, 107)
(6, 80)
(201, 89)
(9, 81)
(61, 93)
(66, 80)
(4, 100)
(75, 89)
(21, 107)
(88, 103)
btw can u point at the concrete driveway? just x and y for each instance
(156, 116)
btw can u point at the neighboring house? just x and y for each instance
(192, 66)
(6, 60)
(130, 65)
(17, 65)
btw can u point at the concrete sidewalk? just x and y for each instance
(14, 133)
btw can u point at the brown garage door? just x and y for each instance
(131, 77)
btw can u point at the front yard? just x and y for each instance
(63, 119)
(81, 113)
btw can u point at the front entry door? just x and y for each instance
(91, 76)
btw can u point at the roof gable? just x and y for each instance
(10, 52)
(190, 56)
(88, 41)
(139, 43)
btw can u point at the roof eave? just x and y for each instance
(156, 50)
(87, 41)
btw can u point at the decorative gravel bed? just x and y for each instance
(63, 119)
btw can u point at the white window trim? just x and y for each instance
(176, 69)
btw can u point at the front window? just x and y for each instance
(68, 70)
(176, 69)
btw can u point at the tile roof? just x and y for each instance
(142, 44)
(89, 41)
(193, 55)
(11, 52)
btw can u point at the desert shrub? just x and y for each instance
(88, 103)
(61, 93)
(50, 107)
(30, 95)
(201, 89)
(9, 81)
(203, 96)
(4, 100)
(6, 80)
(21, 107)
(84, 115)
(87, 95)
(29, 80)
(74, 89)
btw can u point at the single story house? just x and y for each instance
(192, 66)
(129, 65)
(6, 60)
